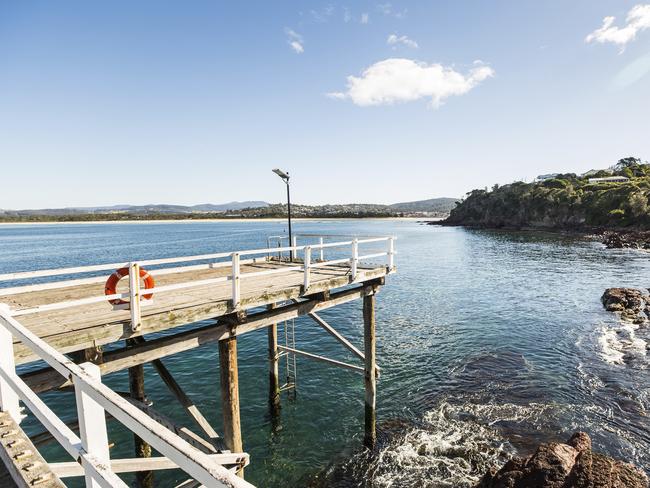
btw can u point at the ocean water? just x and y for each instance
(489, 342)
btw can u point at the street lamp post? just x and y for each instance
(285, 178)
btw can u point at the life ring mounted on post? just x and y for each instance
(111, 284)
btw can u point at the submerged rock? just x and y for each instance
(633, 304)
(570, 465)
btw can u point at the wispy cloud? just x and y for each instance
(295, 41)
(398, 80)
(637, 20)
(387, 9)
(323, 14)
(365, 18)
(394, 40)
(347, 16)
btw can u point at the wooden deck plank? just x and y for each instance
(97, 324)
(24, 465)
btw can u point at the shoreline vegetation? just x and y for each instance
(615, 199)
(434, 208)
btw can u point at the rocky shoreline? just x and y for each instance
(570, 465)
(626, 239)
(612, 238)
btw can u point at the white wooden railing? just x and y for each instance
(135, 293)
(93, 399)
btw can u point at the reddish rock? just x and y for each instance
(570, 465)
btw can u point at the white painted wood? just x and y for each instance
(354, 260)
(130, 465)
(307, 269)
(321, 249)
(63, 434)
(134, 296)
(236, 284)
(8, 396)
(149, 262)
(323, 359)
(92, 421)
(192, 461)
(136, 311)
(101, 279)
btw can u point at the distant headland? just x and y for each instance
(616, 198)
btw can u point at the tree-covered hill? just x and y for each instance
(564, 201)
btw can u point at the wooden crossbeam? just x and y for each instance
(334, 333)
(323, 359)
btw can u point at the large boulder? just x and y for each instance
(633, 304)
(570, 465)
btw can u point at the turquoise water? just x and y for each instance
(489, 342)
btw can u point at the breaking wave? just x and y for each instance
(451, 446)
(623, 343)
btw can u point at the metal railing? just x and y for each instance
(93, 399)
(135, 292)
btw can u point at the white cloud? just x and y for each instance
(365, 18)
(347, 16)
(637, 20)
(397, 80)
(394, 39)
(322, 15)
(385, 8)
(295, 41)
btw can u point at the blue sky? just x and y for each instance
(193, 102)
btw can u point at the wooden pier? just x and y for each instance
(64, 317)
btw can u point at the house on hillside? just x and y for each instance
(609, 179)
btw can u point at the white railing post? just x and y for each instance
(235, 280)
(8, 397)
(134, 296)
(307, 266)
(294, 243)
(391, 253)
(354, 261)
(92, 423)
(322, 250)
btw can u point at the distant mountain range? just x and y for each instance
(142, 209)
(434, 207)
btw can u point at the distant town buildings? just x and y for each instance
(609, 179)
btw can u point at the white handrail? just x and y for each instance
(152, 262)
(195, 463)
(135, 294)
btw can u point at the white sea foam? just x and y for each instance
(621, 343)
(453, 446)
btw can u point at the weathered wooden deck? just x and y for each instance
(96, 324)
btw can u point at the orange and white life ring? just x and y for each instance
(112, 281)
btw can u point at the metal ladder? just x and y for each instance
(290, 358)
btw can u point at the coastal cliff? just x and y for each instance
(616, 198)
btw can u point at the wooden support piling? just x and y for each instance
(274, 370)
(144, 479)
(230, 395)
(369, 340)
